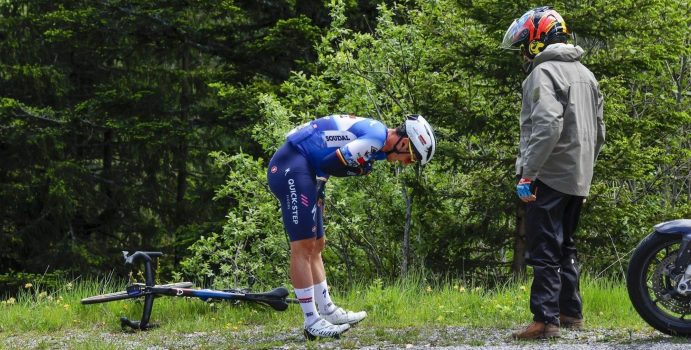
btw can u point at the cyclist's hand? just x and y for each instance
(367, 167)
(524, 191)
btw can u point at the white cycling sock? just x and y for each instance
(306, 298)
(323, 299)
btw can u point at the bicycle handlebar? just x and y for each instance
(150, 282)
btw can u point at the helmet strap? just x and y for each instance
(394, 149)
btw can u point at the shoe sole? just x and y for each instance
(312, 337)
(573, 326)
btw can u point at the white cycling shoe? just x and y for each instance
(322, 328)
(340, 316)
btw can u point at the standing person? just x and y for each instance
(336, 145)
(562, 131)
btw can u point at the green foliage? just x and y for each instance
(109, 111)
(253, 242)
(441, 59)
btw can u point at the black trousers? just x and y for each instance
(550, 222)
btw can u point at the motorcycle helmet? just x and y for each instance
(535, 30)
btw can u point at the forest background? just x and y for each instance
(147, 124)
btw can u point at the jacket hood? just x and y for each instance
(558, 52)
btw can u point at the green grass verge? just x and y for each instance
(408, 304)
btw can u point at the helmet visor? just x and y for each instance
(516, 33)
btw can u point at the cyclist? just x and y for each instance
(335, 145)
(562, 132)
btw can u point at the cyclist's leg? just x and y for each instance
(292, 181)
(326, 307)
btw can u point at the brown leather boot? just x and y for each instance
(538, 330)
(570, 322)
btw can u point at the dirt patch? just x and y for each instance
(358, 338)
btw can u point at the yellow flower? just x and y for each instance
(462, 289)
(440, 318)
(455, 286)
(429, 289)
(11, 301)
(66, 306)
(28, 285)
(68, 286)
(42, 295)
(522, 288)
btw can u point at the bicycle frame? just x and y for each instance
(276, 298)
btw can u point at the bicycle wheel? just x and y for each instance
(104, 298)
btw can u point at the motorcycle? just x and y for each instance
(659, 278)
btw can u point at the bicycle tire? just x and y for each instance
(122, 295)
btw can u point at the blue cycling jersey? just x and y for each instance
(340, 145)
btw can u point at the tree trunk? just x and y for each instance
(405, 258)
(518, 264)
(181, 155)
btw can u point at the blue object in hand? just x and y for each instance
(523, 188)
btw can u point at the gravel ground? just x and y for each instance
(359, 338)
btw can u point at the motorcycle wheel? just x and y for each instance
(652, 285)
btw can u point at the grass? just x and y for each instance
(399, 313)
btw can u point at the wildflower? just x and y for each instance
(11, 301)
(461, 289)
(440, 318)
(429, 289)
(69, 286)
(477, 289)
(522, 288)
(28, 285)
(42, 295)
(66, 306)
(455, 286)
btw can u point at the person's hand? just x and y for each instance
(367, 167)
(523, 190)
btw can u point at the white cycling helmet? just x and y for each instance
(420, 135)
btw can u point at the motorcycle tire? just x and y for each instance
(652, 289)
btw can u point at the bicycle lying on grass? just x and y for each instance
(276, 298)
